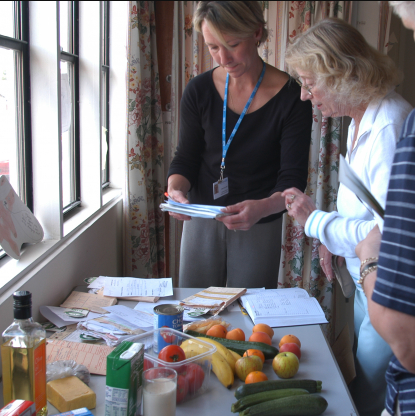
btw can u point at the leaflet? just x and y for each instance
(120, 287)
(194, 210)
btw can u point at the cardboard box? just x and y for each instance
(123, 391)
(19, 408)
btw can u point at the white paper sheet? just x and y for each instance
(136, 317)
(119, 287)
(58, 317)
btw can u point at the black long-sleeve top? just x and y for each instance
(269, 152)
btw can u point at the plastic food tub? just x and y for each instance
(202, 359)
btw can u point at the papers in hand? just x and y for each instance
(283, 307)
(193, 210)
(349, 178)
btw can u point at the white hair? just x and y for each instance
(404, 9)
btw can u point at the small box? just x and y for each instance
(83, 411)
(173, 337)
(124, 382)
(19, 408)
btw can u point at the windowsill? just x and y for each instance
(34, 255)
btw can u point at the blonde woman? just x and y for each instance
(264, 150)
(342, 75)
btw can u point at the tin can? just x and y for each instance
(166, 316)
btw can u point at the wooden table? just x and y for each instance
(317, 362)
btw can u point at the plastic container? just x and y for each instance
(173, 337)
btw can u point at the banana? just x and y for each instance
(222, 370)
(226, 354)
(236, 355)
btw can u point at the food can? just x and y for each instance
(166, 316)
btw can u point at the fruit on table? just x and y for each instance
(235, 354)
(291, 347)
(218, 331)
(182, 388)
(260, 337)
(305, 405)
(285, 364)
(222, 370)
(265, 396)
(255, 377)
(312, 386)
(194, 376)
(227, 355)
(246, 365)
(236, 334)
(253, 351)
(241, 346)
(289, 338)
(263, 328)
(172, 354)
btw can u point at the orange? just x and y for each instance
(289, 338)
(263, 328)
(260, 337)
(255, 376)
(236, 334)
(218, 331)
(252, 351)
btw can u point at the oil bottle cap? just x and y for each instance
(22, 304)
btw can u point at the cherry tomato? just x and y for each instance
(147, 364)
(172, 354)
(194, 375)
(167, 336)
(182, 388)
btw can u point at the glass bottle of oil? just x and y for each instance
(23, 356)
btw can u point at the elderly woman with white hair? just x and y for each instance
(342, 75)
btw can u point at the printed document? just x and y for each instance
(120, 287)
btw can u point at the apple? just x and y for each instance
(291, 347)
(246, 365)
(285, 364)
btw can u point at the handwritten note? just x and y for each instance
(129, 286)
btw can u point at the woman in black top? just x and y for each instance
(245, 169)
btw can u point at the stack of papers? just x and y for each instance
(283, 307)
(193, 210)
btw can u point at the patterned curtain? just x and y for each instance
(190, 58)
(143, 220)
(300, 265)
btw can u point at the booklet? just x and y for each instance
(193, 210)
(283, 307)
(348, 177)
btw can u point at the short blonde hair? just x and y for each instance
(342, 62)
(405, 9)
(235, 18)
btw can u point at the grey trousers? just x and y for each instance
(212, 255)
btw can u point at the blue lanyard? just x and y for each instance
(225, 145)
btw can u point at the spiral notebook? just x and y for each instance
(283, 307)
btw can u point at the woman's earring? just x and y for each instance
(258, 44)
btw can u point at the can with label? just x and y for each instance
(166, 316)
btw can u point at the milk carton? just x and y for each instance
(123, 391)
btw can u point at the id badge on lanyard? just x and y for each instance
(221, 187)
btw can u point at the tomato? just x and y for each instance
(167, 336)
(147, 364)
(194, 375)
(172, 354)
(182, 388)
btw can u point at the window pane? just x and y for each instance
(65, 26)
(7, 18)
(9, 122)
(68, 169)
(104, 130)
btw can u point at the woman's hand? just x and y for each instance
(299, 205)
(370, 246)
(177, 189)
(246, 214)
(325, 262)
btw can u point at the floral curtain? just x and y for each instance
(299, 258)
(143, 220)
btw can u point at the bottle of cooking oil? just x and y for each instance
(23, 356)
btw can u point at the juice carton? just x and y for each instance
(123, 391)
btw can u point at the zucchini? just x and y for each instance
(307, 405)
(265, 396)
(240, 346)
(313, 386)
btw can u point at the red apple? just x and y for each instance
(246, 365)
(291, 347)
(285, 364)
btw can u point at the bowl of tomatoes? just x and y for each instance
(189, 356)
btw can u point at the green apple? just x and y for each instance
(285, 364)
(246, 365)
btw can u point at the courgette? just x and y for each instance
(265, 396)
(313, 386)
(306, 405)
(240, 346)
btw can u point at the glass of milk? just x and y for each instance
(159, 393)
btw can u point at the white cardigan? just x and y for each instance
(371, 159)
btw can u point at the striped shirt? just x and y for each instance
(395, 284)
